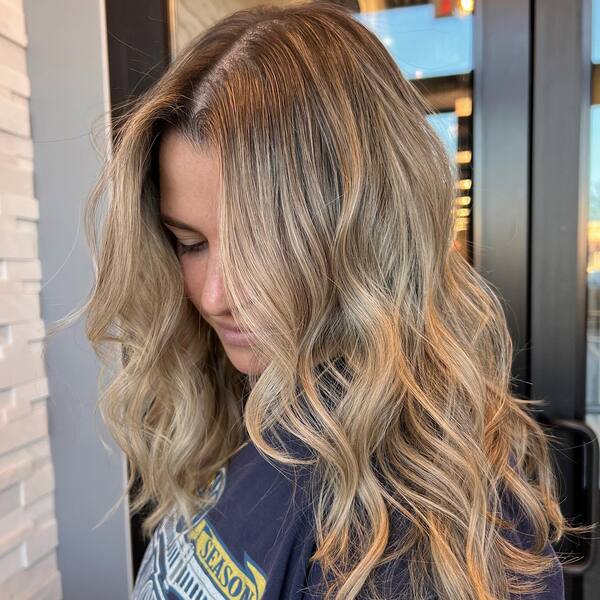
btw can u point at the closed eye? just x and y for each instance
(189, 248)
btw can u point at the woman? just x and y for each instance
(355, 437)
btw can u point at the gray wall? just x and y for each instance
(67, 65)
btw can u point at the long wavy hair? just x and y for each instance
(336, 232)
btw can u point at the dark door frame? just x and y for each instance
(138, 42)
(531, 175)
(501, 160)
(559, 217)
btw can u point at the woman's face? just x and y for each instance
(189, 197)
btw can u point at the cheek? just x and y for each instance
(193, 281)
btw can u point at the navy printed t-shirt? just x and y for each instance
(254, 543)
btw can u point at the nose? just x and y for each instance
(213, 299)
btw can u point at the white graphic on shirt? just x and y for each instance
(168, 568)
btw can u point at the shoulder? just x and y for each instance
(521, 535)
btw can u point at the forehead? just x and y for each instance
(189, 179)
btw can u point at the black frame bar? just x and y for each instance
(138, 42)
(501, 159)
(559, 209)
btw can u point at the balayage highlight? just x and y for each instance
(336, 239)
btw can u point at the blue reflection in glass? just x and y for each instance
(596, 31)
(446, 126)
(594, 210)
(594, 190)
(422, 45)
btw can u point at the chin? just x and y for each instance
(243, 359)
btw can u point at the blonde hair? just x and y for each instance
(337, 206)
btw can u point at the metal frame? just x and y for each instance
(559, 204)
(138, 47)
(560, 180)
(501, 158)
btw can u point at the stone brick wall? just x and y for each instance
(28, 529)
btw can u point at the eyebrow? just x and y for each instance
(176, 223)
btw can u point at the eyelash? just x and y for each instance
(188, 248)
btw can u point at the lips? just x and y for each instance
(234, 336)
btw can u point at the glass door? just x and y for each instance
(593, 232)
(592, 390)
(563, 267)
(433, 46)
